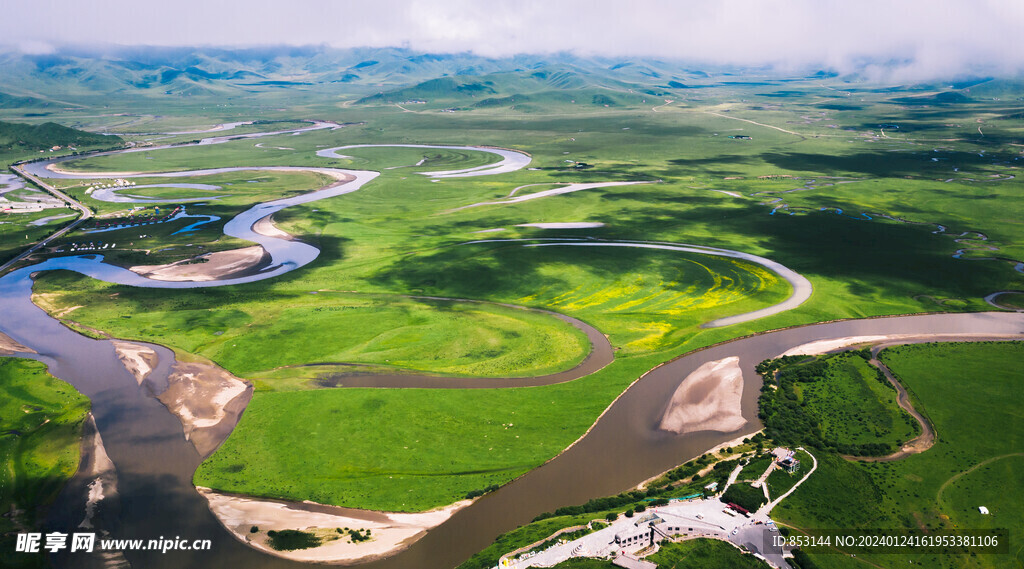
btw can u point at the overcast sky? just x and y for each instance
(930, 37)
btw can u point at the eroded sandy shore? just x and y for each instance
(265, 226)
(390, 531)
(96, 467)
(825, 346)
(208, 400)
(820, 347)
(709, 399)
(210, 267)
(139, 360)
(9, 346)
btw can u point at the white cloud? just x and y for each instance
(35, 47)
(931, 37)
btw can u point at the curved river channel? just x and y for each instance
(154, 462)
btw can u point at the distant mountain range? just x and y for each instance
(72, 75)
(88, 76)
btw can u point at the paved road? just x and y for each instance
(86, 214)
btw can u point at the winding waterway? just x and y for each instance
(155, 463)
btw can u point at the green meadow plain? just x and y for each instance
(778, 195)
(809, 403)
(41, 423)
(975, 461)
(970, 393)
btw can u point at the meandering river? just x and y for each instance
(155, 463)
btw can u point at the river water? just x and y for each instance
(155, 463)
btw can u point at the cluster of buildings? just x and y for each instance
(627, 541)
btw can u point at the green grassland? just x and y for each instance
(780, 481)
(40, 421)
(252, 335)
(445, 448)
(871, 406)
(838, 402)
(665, 296)
(18, 137)
(300, 151)
(383, 331)
(236, 188)
(756, 467)
(1013, 300)
(399, 236)
(970, 392)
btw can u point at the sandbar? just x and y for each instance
(265, 226)
(820, 347)
(97, 467)
(139, 360)
(208, 400)
(709, 399)
(9, 346)
(208, 267)
(391, 531)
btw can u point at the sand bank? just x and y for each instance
(137, 359)
(211, 266)
(819, 347)
(390, 531)
(96, 467)
(265, 226)
(709, 399)
(9, 346)
(208, 400)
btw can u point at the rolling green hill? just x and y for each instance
(20, 136)
(88, 76)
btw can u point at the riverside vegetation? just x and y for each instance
(854, 209)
